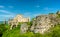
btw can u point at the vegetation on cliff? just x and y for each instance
(3, 28)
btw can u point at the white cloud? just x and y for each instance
(1, 6)
(7, 16)
(3, 17)
(6, 12)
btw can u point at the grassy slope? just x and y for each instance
(55, 32)
(16, 33)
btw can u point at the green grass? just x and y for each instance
(54, 32)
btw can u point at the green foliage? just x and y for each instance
(33, 18)
(20, 23)
(58, 14)
(16, 33)
(29, 23)
(12, 33)
(3, 28)
(54, 32)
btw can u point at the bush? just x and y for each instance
(2, 29)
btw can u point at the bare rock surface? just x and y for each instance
(43, 23)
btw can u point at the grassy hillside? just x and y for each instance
(54, 32)
(3, 28)
(16, 33)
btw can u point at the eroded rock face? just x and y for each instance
(42, 23)
(23, 28)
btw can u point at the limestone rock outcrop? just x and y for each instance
(23, 28)
(43, 23)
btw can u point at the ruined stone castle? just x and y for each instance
(19, 18)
